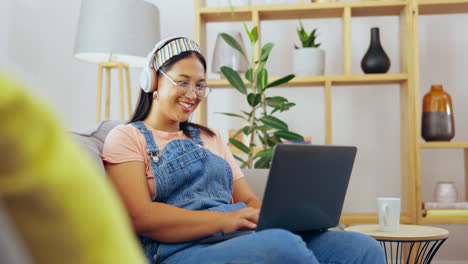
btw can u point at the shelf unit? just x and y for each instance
(444, 145)
(407, 11)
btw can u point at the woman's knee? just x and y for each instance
(369, 250)
(281, 244)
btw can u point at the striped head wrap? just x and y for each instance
(173, 48)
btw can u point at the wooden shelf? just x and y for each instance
(434, 7)
(224, 14)
(366, 218)
(333, 79)
(301, 11)
(445, 220)
(407, 12)
(444, 144)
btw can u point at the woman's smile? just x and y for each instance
(186, 106)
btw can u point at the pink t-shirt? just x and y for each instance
(126, 143)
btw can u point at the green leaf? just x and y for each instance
(243, 163)
(262, 139)
(288, 135)
(263, 163)
(273, 140)
(234, 79)
(275, 101)
(286, 106)
(266, 51)
(261, 66)
(253, 35)
(247, 130)
(234, 44)
(241, 146)
(274, 122)
(254, 99)
(263, 128)
(262, 79)
(249, 75)
(231, 114)
(246, 113)
(280, 81)
(264, 153)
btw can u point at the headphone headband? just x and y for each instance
(168, 48)
(164, 50)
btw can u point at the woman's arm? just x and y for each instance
(168, 223)
(243, 193)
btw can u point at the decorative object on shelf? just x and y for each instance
(437, 118)
(445, 205)
(225, 55)
(116, 34)
(375, 60)
(310, 59)
(447, 213)
(262, 126)
(446, 192)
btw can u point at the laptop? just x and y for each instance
(305, 190)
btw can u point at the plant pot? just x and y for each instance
(309, 61)
(257, 179)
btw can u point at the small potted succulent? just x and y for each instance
(308, 60)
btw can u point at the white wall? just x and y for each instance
(37, 43)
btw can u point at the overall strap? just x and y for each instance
(195, 133)
(151, 147)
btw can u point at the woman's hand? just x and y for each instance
(243, 219)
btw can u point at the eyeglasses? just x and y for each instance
(201, 90)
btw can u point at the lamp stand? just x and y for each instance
(108, 66)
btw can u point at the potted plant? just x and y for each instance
(262, 126)
(310, 59)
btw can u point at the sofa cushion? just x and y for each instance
(92, 139)
(61, 208)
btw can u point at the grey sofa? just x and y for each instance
(92, 140)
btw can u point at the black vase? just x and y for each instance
(375, 60)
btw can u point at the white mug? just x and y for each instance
(389, 214)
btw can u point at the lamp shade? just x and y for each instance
(116, 30)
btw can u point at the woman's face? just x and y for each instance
(171, 103)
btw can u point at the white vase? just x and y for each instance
(309, 61)
(257, 178)
(225, 55)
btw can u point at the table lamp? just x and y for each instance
(116, 34)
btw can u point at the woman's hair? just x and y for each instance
(145, 100)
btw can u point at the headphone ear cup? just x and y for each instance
(147, 79)
(154, 86)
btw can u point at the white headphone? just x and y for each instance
(148, 73)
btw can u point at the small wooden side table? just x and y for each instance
(411, 244)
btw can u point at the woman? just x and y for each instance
(180, 183)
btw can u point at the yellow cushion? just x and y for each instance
(63, 209)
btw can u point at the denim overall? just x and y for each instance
(187, 176)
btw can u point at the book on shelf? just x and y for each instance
(447, 212)
(445, 205)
